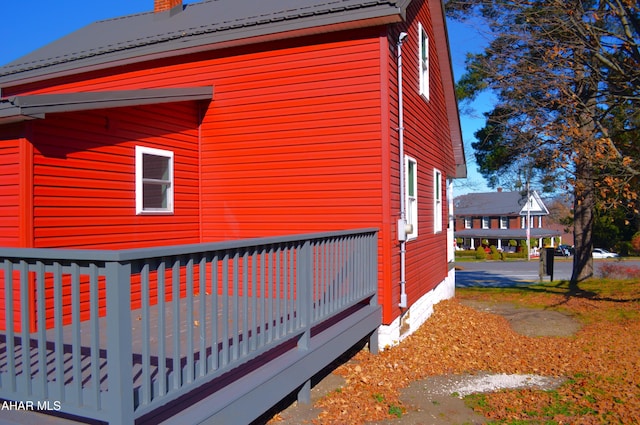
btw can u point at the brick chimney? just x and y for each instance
(165, 5)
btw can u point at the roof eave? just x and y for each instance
(24, 108)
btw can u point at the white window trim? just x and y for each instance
(504, 222)
(140, 151)
(437, 201)
(468, 223)
(423, 40)
(411, 202)
(486, 222)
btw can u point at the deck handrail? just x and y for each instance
(159, 322)
(165, 251)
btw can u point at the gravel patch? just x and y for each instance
(463, 385)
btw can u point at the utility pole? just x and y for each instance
(528, 222)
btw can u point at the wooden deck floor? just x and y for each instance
(150, 339)
(155, 343)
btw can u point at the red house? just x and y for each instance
(228, 120)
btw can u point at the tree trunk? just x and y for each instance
(584, 206)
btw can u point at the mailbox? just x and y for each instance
(546, 263)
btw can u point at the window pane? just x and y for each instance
(154, 195)
(425, 47)
(411, 177)
(155, 167)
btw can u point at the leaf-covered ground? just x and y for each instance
(601, 362)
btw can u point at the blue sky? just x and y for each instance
(30, 24)
(463, 39)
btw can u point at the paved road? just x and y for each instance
(513, 273)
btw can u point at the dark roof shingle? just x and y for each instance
(493, 204)
(198, 24)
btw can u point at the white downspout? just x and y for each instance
(402, 222)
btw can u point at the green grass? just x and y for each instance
(395, 411)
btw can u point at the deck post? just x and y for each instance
(305, 291)
(304, 393)
(372, 275)
(119, 349)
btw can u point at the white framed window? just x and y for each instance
(468, 223)
(423, 60)
(437, 201)
(154, 181)
(504, 222)
(411, 195)
(486, 223)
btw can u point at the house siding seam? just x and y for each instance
(387, 235)
(391, 310)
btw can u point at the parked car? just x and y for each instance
(603, 253)
(568, 249)
(561, 252)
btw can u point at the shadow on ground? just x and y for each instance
(482, 279)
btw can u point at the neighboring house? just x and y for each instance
(228, 120)
(500, 217)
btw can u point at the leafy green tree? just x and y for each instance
(605, 233)
(566, 76)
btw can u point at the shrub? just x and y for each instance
(466, 253)
(480, 253)
(624, 248)
(635, 243)
(524, 252)
(619, 271)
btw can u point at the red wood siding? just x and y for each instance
(426, 139)
(9, 212)
(299, 149)
(292, 140)
(300, 137)
(10, 193)
(84, 177)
